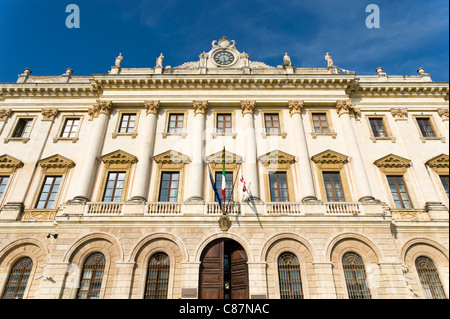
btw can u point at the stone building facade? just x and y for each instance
(105, 182)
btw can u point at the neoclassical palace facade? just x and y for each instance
(106, 182)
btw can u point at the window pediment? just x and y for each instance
(277, 157)
(119, 157)
(9, 164)
(440, 164)
(56, 161)
(393, 164)
(230, 158)
(330, 157)
(172, 158)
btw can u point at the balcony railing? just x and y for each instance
(284, 208)
(214, 209)
(164, 208)
(103, 209)
(342, 208)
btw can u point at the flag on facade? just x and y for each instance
(244, 189)
(224, 179)
(214, 187)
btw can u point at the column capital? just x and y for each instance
(200, 107)
(248, 107)
(5, 114)
(443, 112)
(399, 113)
(152, 107)
(347, 107)
(49, 114)
(102, 107)
(295, 107)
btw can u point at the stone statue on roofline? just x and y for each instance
(159, 60)
(329, 60)
(287, 60)
(119, 61)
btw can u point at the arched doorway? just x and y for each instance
(223, 271)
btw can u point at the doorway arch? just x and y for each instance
(223, 271)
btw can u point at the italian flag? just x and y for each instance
(224, 181)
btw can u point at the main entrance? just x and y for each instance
(223, 271)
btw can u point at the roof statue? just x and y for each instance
(329, 60)
(119, 60)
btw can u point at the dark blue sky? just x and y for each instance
(413, 34)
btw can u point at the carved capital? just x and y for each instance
(443, 112)
(295, 107)
(346, 107)
(248, 107)
(102, 107)
(5, 114)
(200, 107)
(152, 107)
(49, 114)
(399, 113)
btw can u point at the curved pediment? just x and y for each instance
(330, 157)
(230, 158)
(393, 161)
(56, 161)
(277, 157)
(119, 157)
(171, 157)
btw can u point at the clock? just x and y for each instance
(223, 58)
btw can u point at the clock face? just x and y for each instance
(224, 58)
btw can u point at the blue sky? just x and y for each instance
(412, 34)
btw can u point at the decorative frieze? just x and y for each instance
(399, 114)
(248, 107)
(295, 107)
(152, 107)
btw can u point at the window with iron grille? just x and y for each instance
(272, 123)
(3, 182)
(333, 187)
(18, 279)
(278, 187)
(320, 123)
(22, 128)
(127, 123)
(92, 277)
(157, 277)
(425, 127)
(399, 192)
(169, 187)
(377, 126)
(114, 187)
(289, 277)
(355, 276)
(70, 128)
(48, 192)
(429, 278)
(444, 181)
(223, 123)
(175, 123)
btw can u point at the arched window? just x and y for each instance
(429, 278)
(157, 277)
(289, 276)
(355, 276)
(91, 279)
(18, 279)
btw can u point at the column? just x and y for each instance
(146, 147)
(250, 153)
(196, 192)
(308, 192)
(4, 115)
(344, 108)
(101, 113)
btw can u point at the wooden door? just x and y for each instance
(211, 272)
(239, 272)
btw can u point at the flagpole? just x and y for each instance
(215, 190)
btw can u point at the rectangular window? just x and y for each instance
(320, 123)
(444, 180)
(114, 187)
(272, 123)
(127, 123)
(48, 192)
(377, 126)
(223, 123)
(228, 185)
(3, 182)
(176, 123)
(169, 187)
(425, 127)
(399, 192)
(22, 128)
(70, 128)
(278, 187)
(333, 187)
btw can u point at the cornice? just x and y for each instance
(47, 90)
(400, 88)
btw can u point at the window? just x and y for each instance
(70, 128)
(333, 187)
(176, 123)
(320, 123)
(127, 123)
(157, 277)
(114, 187)
(91, 279)
(228, 185)
(3, 182)
(48, 193)
(289, 277)
(399, 192)
(425, 127)
(355, 276)
(429, 278)
(272, 123)
(223, 123)
(444, 181)
(169, 187)
(378, 128)
(22, 128)
(18, 279)
(278, 187)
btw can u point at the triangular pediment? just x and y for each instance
(230, 158)
(119, 157)
(56, 161)
(277, 157)
(9, 162)
(172, 157)
(330, 157)
(440, 161)
(393, 161)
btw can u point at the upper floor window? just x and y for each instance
(114, 187)
(355, 276)
(399, 192)
(289, 277)
(278, 187)
(48, 192)
(3, 182)
(175, 123)
(70, 128)
(444, 181)
(169, 187)
(228, 185)
(157, 277)
(272, 123)
(378, 128)
(224, 123)
(22, 128)
(333, 187)
(425, 127)
(429, 278)
(127, 123)
(18, 279)
(92, 277)
(320, 123)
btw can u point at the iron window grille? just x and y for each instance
(92, 277)
(157, 277)
(355, 276)
(289, 277)
(429, 278)
(18, 279)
